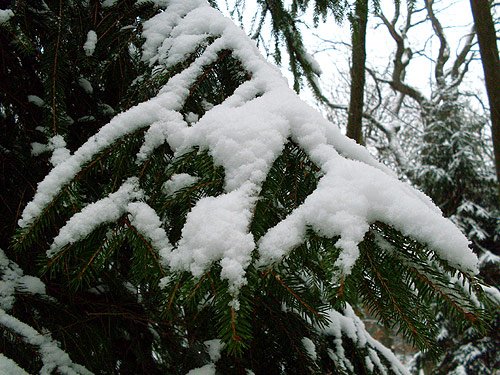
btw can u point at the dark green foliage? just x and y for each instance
(42, 55)
(285, 29)
(291, 179)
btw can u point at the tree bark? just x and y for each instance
(486, 36)
(358, 23)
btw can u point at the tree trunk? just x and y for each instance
(486, 35)
(358, 23)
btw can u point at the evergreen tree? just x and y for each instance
(453, 167)
(216, 224)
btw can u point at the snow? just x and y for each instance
(85, 85)
(36, 100)
(460, 370)
(350, 325)
(242, 140)
(121, 125)
(106, 210)
(89, 46)
(492, 292)
(244, 135)
(488, 257)
(375, 359)
(157, 133)
(31, 284)
(9, 367)
(217, 229)
(86, 119)
(156, 29)
(108, 3)
(369, 364)
(313, 63)
(14, 281)
(53, 358)
(443, 334)
(310, 348)
(214, 348)
(147, 222)
(192, 118)
(5, 15)
(106, 109)
(57, 145)
(178, 182)
(205, 370)
(59, 151)
(38, 148)
(348, 198)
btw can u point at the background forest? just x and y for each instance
(168, 204)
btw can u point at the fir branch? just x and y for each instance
(401, 312)
(152, 252)
(294, 294)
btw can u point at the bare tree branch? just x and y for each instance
(389, 132)
(462, 55)
(401, 60)
(444, 48)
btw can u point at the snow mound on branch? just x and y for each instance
(103, 211)
(53, 358)
(147, 222)
(310, 348)
(85, 85)
(8, 366)
(205, 370)
(36, 100)
(108, 3)
(5, 15)
(89, 46)
(245, 134)
(217, 229)
(178, 182)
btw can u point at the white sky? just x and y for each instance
(455, 17)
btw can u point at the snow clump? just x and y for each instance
(5, 15)
(89, 46)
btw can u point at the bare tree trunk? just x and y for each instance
(359, 20)
(486, 35)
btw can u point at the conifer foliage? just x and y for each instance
(218, 224)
